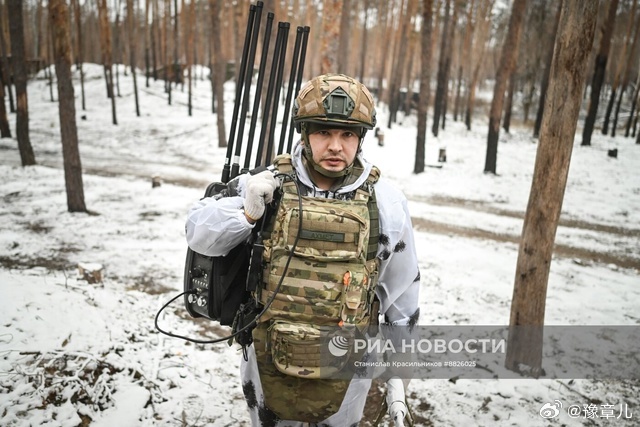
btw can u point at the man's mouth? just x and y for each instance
(334, 161)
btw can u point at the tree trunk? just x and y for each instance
(598, 73)
(131, 25)
(219, 66)
(479, 46)
(345, 38)
(6, 69)
(508, 108)
(330, 35)
(627, 73)
(575, 38)
(80, 55)
(105, 43)
(5, 129)
(442, 60)
(634, 105)
(425, 89)
(66, 106)
(505, 68)
(190, 30)
(383, 6)
(545, 76)
(16, 29)
(363, 52)
(464, 60)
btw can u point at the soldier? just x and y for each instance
(317, 278)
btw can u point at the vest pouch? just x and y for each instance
(332, 230)
(306, 351)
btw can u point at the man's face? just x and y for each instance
(334, 149)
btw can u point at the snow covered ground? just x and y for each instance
(76, 353)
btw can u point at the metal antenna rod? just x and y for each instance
(292, 77)
(278, 85)
(258, 94)
(303, 54)
(269, 99)
(247, 90)
(234, 119)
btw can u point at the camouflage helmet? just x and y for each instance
(336, 99)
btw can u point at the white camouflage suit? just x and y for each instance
(214, 227)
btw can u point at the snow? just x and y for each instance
(74, 352)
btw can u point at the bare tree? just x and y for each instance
(4, 65)
(363, 52)
(477, 55)
(599, 72)
(627, 73)
(545, 76)
(617, 76)
(572, 49)
(505, 67)
(190, 36)
(345, 38)
(16, 28)
(105, 43)
(331, 11)
(444, 66)
(131, 25)
(219, 67)
(5, 130)
(58, 13)
(425, 86)
(80, 54)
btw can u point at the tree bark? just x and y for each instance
(545, 77)
(5, 129)
(80, 55)
(105, 43)
(598, 73)
(331, 12)
(480, 47)
(425, 89)
(219, 66)
(16, 29)
(443, 75)
(131, 25)
(66, 106)
(505, 68)
(344, 45)
(6, 69)
(575, 37)
(627, 73)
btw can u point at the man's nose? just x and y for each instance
(334, 143)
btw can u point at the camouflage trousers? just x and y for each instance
(348, 415)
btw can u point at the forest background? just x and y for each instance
(465, 47)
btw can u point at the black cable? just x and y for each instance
(269, 302)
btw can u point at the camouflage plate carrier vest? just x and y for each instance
(329, 290)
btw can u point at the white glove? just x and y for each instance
(396, 401)
(259, 191)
